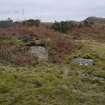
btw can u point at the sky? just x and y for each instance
(51, 10)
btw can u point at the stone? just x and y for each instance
(40, 52)
(37, 84)
(83, 62)
(26, 38)
(92, 77)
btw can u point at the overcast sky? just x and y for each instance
(50, 10)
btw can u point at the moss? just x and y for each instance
(45, 84)
(100, 74)
(12, 40)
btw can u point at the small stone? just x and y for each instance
(37, 84)
(83, 62)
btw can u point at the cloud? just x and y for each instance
(51, 9)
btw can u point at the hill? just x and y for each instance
(96, 20)
(43, 66)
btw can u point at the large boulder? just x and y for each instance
(83, 62)
(40, 52)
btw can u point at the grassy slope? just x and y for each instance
(52, 84)
(49, 86)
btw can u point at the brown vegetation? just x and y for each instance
(57, 44)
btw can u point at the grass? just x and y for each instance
(54, 84)
(12, 40)
(90, 49)
(48, 85)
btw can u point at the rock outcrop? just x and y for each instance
(83, 62)
(40, 52)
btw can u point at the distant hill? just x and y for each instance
(95, 19)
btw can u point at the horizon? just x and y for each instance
(78, 20)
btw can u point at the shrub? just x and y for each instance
(63, 26)
(31, 22)
(88, 24)
(6, 23)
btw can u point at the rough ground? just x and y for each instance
(56, 84)
(26, 81)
